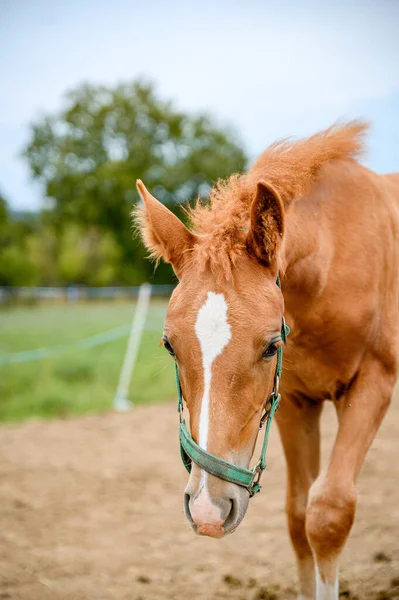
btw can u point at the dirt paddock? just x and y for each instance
(91, 508)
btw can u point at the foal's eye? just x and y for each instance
(167, 345)
(271, 349)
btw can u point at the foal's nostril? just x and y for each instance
(187, 509)
(231, 518)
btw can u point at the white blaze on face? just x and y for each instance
(214, 333)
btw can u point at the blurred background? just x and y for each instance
(97, 94)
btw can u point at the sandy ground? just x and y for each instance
(91, 508)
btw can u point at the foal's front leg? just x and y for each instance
(332, 497)
(298, 421)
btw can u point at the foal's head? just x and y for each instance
(223, 330)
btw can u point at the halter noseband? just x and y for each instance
(191, 452)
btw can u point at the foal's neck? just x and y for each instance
(307, 254)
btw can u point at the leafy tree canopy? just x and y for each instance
(89, 156)
(15, 265)
(3, 213)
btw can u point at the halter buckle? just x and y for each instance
(269, 402)
(255, 487)
(264, 417)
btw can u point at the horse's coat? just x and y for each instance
(330, 226)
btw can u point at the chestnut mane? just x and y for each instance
(291, 166)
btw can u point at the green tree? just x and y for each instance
(3, 214)
(89, 156)
(16, 268)
(88, 257)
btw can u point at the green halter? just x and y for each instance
(191, 452)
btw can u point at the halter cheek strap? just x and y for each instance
(191, 452)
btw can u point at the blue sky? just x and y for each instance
(269, 68)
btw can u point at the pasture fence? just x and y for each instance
(133, 330)
(121, 401)
(74, 293)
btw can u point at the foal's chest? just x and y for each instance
(315, 372)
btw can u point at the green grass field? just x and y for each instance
(78, 381)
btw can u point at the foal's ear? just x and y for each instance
(164, 235)
(267, 224)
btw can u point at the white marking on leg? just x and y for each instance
(325, 591)
(214, 333)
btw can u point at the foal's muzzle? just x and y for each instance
(214, 508)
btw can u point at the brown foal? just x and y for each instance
(310, 212)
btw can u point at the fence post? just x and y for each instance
(121, 402)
